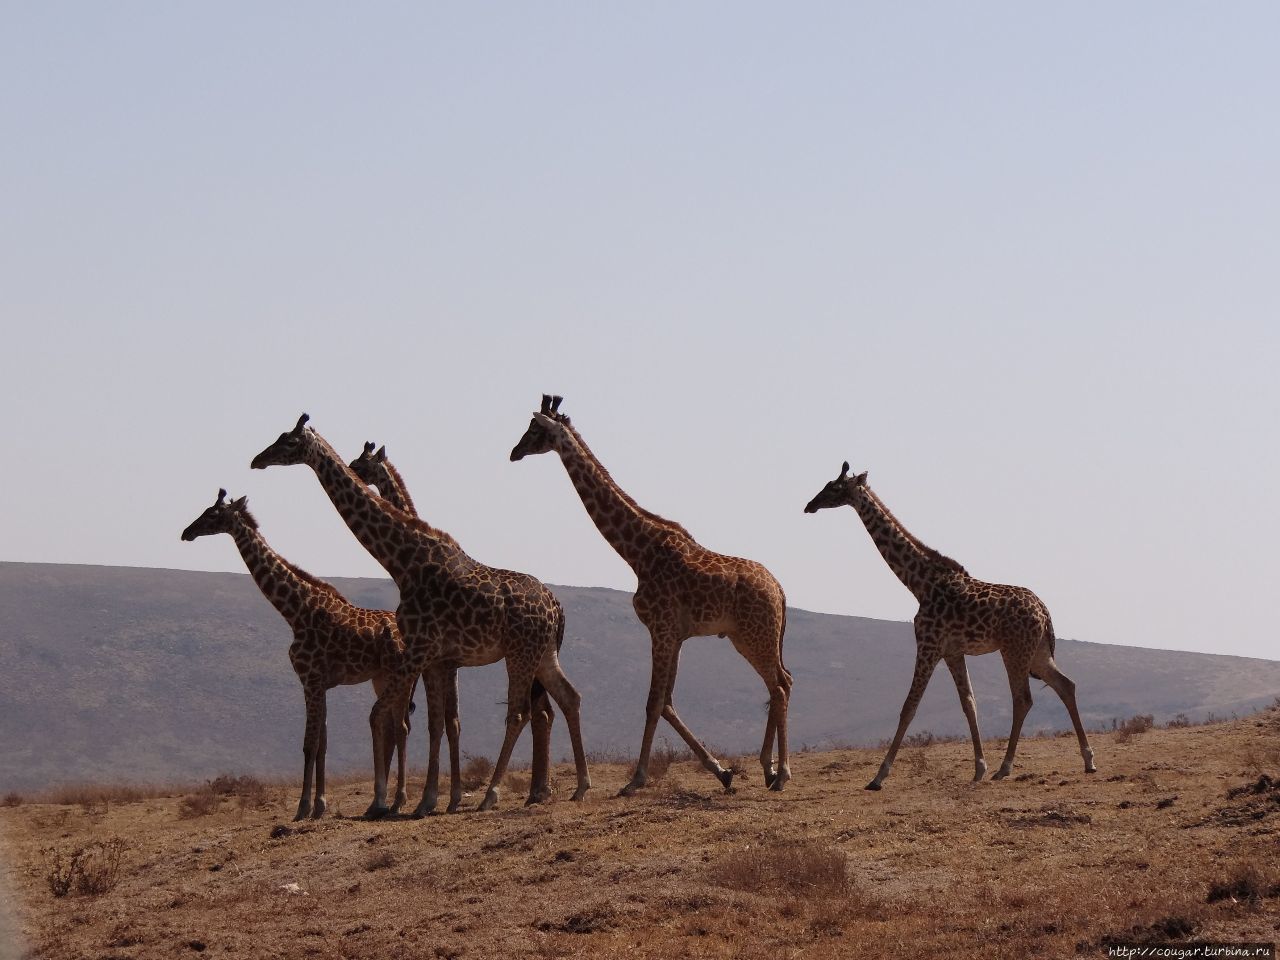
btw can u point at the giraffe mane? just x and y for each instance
(252, 523)
(396, 478)
(924, 548)
(400, 516)
(626, 497)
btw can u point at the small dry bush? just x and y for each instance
(1178, 722)
(250, 792)
(11, 799)
(517, 783)
(805, 867)
(97, 796)
(476, 772)
(1137, 724)
(90, 870)
(662, 756)
(199, 804)
(381, 860)
(1246, 883)
(927, 738)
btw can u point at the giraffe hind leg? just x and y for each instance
(1063, 686)
(960, 673)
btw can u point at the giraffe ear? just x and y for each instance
(546, 403)
(844, 470)
(861, 478)
(368, 447)
(381, 455)
(241, 503)
(302, 422)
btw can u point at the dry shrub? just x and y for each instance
(11, 799)
(517, 783)
(927, 738)
(1246, 883)
(1179, 721)
(199, 804)
(476, 772)
(97, 796)
(804, 867)
(1137, 724)
(662, 756)
(381, 860)
(87, 871)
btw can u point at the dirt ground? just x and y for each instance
(1177, 837)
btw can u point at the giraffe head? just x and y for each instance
(371, 465)
(839, 492)
(222, 517)
(291, 447)
(546, 430)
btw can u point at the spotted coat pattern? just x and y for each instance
(453, 612)
(683, 590)
(959, 615)
(334, 642)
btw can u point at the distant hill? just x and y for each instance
(123, 673)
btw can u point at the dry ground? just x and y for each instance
(1049, 863)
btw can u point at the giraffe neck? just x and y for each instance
(392, 487)
(290, 592)
(630, 529)
(401, 543)
(917, 566)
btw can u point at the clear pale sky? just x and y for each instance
(1019, 262)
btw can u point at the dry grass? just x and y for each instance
(1051, 863)
(1134, 726)
(89, 870)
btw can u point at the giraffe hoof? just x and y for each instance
(770, 779)
(579, 794)
(377, 811)
(726, 779)
(1000, 774)
(490, 801)
(872, 786)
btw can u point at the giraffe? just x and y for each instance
(453, 610)
(375, 470)
(334, 642)
(959, 615)
(683, 590)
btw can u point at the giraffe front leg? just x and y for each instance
(925, 662)
(401, 731)
(665, 654)
(310, 743)
(433, 687)
(389, 708)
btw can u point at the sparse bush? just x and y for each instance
(11, 799)
(199, 804)
(662, 756)
(1245, 884)
(517, 783)
(476, 772)
(1137, 724)
(87, 871)
(1179, 720)
(250, 793)
(803, 867)
(381, 860)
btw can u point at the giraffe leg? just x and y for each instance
(925, 663)
(666, 654)
(518, 708)
(564, 693)
(319, 806)
(433, 680)
(453, 730)
(1020, 687)
(1066, 691)
(761, 651)
(960, 674)
(310, 743)
(722, 773)
(393, 703)
(540, 721)
(398, 738)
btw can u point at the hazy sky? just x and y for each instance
(1020, 262)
